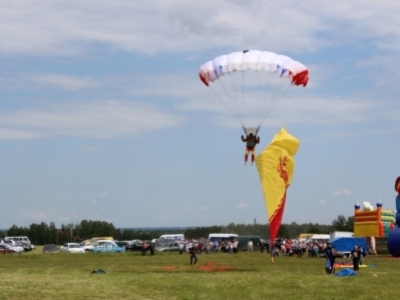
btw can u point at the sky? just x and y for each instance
(103, 116)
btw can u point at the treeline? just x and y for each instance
(290, 231)
(41, 234)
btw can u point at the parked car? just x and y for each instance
(14, 245)
(167, 247)
(124, 244)
(50, 248)
(137, 246)
(88, 245)
(72, 248)
(110, 247)
(6, 249)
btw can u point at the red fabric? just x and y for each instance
(203, 79)
(275, 222)
(300, 78)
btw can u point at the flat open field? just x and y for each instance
(169, 276)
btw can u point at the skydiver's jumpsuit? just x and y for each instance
(251, 142)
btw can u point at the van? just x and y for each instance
(175, 237)
(244, 239)
(18, 239)
(221, 237)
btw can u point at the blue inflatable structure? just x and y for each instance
(393, 240)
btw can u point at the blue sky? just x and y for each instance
(103, 117)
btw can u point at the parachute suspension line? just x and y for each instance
(235, 97)
(259, 97)
(278, 83)
(282, 91)
(243, 92)
(227, 106)
(269, 89)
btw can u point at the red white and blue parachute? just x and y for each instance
(250, 83)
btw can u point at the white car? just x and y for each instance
(16, 249)
(72, 248)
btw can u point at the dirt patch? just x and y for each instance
(208, 267)
(167, 268)
(215, 267)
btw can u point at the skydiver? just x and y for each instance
(251, 142)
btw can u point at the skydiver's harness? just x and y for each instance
(251, 141)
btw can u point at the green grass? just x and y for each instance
(169, 276)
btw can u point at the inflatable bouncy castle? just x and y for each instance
(371, 222)
(393, 241)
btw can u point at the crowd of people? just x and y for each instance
(283, 247)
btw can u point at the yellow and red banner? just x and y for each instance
(275, 166)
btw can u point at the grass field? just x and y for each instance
(169, 276)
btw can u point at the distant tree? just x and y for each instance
(350, 223)
(128, 234)
(340, 223)
(313, 230)
(283, 232)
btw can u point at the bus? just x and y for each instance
(222, 237)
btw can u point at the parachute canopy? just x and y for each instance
(251, 82)
(275, 165)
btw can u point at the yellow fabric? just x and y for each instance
(366, 229)
(273, 162)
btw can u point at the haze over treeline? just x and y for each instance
(44, 233)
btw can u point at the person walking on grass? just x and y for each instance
(192, 252)
(356, 255)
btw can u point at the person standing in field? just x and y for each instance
(192, 252)
(144, 247)
(356, 255)
(250, 246)
(331, 255)
(152, 247)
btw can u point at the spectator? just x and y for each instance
(192, 252)
(356, 254)
(250, 245)
(144, 247)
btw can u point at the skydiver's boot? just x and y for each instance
(245, 159)
(252, 159)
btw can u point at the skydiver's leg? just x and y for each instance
(246, 156)
(252, 156)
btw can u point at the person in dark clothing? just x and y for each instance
(151, 247)
(144, 248)
(330, 254)
(356, 255)
(251, 141)
(193, 257)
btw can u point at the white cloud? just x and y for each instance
(103, 194)
(50, 215)
(64, 82)
(49, 27)
(91, 149)
(109, 119)
(203, 208)
(320, 202)
(242, 205)
(341, 192)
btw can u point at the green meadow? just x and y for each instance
(130, 275)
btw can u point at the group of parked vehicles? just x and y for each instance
(168, 242)
(15, 244)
